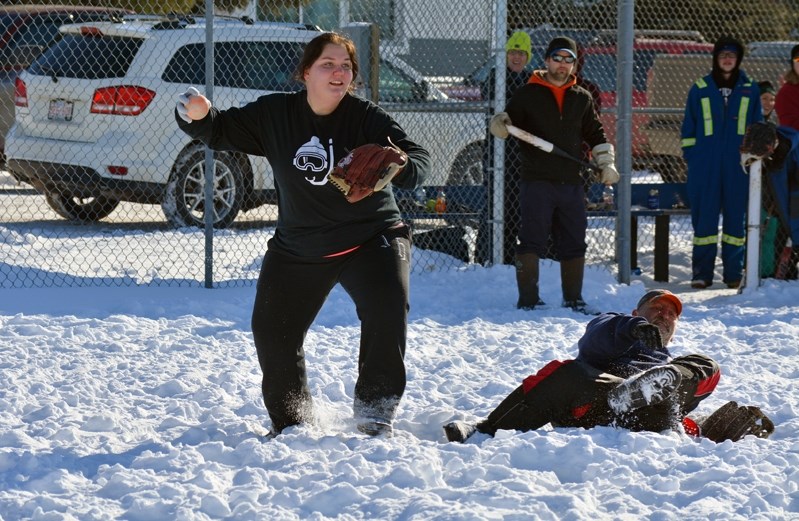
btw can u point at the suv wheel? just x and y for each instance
(82, 209)
(467, 169)
(184, 200)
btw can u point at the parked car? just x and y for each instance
(95, 115)
(468, 88)
(453, 131)
(670, 78)
(26, 31)
(599, 59)
(775, 49)
(599, 66)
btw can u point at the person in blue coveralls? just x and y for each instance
(719, 108)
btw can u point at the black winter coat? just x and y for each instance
(534, 108)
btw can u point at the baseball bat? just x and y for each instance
(547, 147)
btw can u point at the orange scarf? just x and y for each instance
(559, 92)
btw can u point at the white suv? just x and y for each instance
(95, 116)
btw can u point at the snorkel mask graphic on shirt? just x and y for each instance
(313, 158)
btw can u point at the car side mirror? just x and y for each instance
(420, 91)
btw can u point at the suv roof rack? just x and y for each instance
(607, 35)
(174, 21)
(246, 19)
(179, 21)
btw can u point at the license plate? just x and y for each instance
(60, 110)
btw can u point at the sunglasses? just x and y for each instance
(558, 58)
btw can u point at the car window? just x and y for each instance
(771, 49)
(88, 57)
(396, 86)
(266, 66)
(600, 68)
(41, 31)
(187, 65)
(6, 21)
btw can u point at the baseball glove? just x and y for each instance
(367, 169)
(758, 143)
(732, 422)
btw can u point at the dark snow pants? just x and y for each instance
(556, 210)
(291, 291)
(574, 394)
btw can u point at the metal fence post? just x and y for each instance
(624, 83)
(209, 155)
(498, 177)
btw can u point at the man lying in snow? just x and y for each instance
(623, 376)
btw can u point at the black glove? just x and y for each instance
(649, 335)
(759, 142)
(732, 422)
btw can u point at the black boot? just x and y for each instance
(571, 282)
(527, 281)
(650, 387)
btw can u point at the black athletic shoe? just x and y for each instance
(459, 431)
(270, 435)
(376, 427)
(647, 388)
(581, 306)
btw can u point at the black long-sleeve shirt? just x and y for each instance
(314, 219)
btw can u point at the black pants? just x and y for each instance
(574, 394)
(290, 293)
(556, 211)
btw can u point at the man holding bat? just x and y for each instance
(560, 116)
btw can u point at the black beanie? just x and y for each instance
(562, 43)
(728, 43)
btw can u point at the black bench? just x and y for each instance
(672, 199)
(468, 204)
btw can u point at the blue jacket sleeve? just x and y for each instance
(609, 345)
(688, 130)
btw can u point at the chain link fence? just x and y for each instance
(99, 186)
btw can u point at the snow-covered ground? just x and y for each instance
(143, 403)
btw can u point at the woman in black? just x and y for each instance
(321, 239)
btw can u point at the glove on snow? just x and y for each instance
(732, 422)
